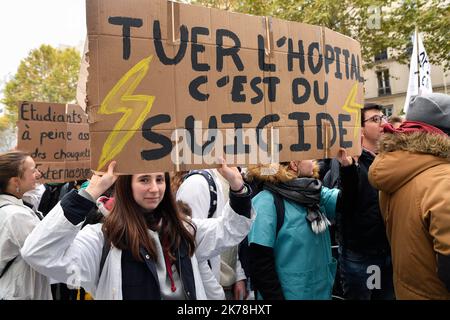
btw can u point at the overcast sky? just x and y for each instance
(26, 24)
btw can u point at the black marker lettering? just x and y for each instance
(126, 23)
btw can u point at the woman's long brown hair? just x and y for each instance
(126, 227)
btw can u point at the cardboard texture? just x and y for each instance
(156, 66)
(57, 137)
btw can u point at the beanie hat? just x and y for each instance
(432, 109)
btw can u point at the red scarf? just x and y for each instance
(168, 263)
(411, 127)
(169, 271)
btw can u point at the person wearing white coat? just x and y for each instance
(195, 192)
(162, 264)
(18, 281)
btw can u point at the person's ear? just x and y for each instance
(362, 131)
(14, 182)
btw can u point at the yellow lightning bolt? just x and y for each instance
(352, 107)
(134, 107)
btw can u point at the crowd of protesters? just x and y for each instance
(261, 232)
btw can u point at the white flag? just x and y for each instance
(421, 84)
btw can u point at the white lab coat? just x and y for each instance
(20, 282)
(195, 192)
(34, 196)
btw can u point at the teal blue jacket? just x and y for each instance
(303, 260)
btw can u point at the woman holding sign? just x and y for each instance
(18, 174)
(145, 249)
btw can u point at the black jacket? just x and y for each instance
(140, 279)
(360, 224)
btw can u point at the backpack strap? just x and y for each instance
(10, 262)
(212, 189)
(279, 206)
(105, 250)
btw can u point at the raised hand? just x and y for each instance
(344, 159)
(99, 184)
(231, 174)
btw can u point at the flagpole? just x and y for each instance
(418, 60)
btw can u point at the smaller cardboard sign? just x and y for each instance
(57, 137)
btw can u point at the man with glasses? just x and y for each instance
(364, 254)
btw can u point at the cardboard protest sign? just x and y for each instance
(173, 86)
(57, 136)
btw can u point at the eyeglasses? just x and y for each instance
(377, 119)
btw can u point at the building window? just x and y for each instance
(388, 110)
(384, 86)
(381, 56)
